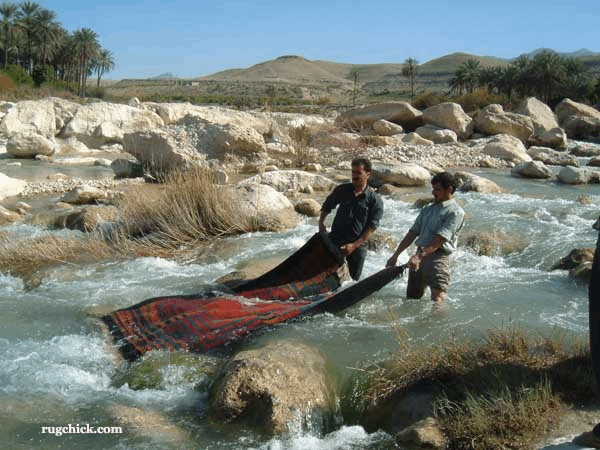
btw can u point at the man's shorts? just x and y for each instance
(434, 271)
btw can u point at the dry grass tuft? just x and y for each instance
(187, 207)
(503, 392)
(23, 257)
(165, 220)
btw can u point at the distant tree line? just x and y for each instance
(548, 76)
(35, 46)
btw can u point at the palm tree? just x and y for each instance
(47, 33)
(458, 82)
(86, 49)
(9, 14)
(472, 68)
(104, 62)
(410, 69)
(27, 16)
(466, 77)
(548, 71)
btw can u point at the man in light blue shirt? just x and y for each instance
(436, 232)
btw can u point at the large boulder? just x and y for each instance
(575, 175)
(363, 117)
(163, 150)
(383, 127)
(101, 123)
(29, 145)
(30, 117)
(270, 208)
(493, 120)
(552, 157)
(10, 187)
(292, 180)
(400, 175)
(508, 148)
(175, 113)
(437, 135)
(469, 182)
(554, 138)
(230, 139)
(541, 115)
(579, 121)
(532, 169)
(282, 387)
(451, 116)
(585, 149)
(308, 207)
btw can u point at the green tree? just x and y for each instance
(410, 70)
(466, 77)
(549, 71)
(48, 35)
(103, 63)
(458, 82)
(9, 15)
(86, 48)
(472, 68)
(27, 17)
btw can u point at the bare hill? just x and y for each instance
(449, 63)
(287, 69)
(295, 69)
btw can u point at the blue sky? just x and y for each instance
(197, 38)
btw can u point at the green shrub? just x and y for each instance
(18, 75)
(42, 74)
(97, 92)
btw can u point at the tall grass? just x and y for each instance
(505, 391)
(24, 257)
(167, 220)
(186, 207)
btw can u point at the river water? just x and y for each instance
(56, 367)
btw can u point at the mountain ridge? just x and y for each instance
(296, 69)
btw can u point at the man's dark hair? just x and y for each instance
(446, 180)
(362, 162)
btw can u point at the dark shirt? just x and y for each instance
(354, 214)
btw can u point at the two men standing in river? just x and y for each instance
(435, 229)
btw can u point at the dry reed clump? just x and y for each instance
(506, 391)
(155, 220)
(187, 207)
(24, 257)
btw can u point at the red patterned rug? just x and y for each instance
(303, 284)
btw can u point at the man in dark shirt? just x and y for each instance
(358, 215)
(592, 438)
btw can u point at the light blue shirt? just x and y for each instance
(444, 219)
